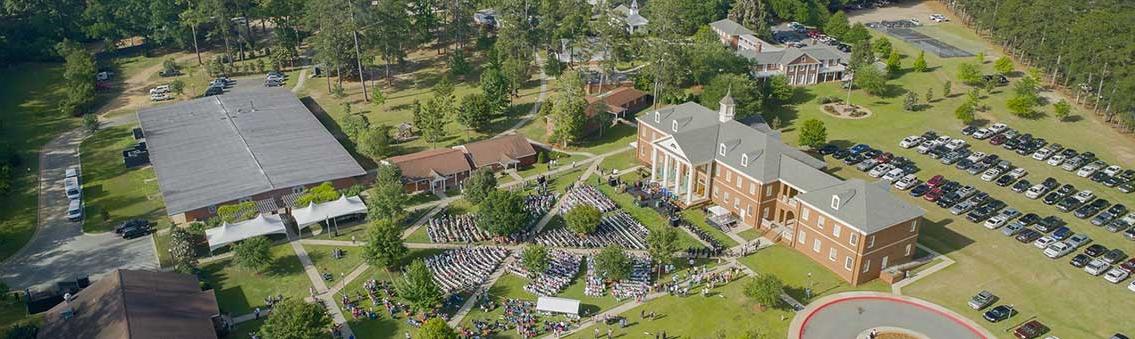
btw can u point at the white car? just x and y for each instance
(1001, 218)
(1116, 275)
(1036, 191)
(938, 18)
(982, 133)
(894, 174)
(1042, 154)
(1018, 173)
(1112, 170)
(1058, 249)
(1044, 241)
(998, 128)
(878, 171)
(911, 141)
(1096, 267)
(1084, 196)
(71, 186)
(955, 144)
(991, 174)
(976, 156)
(907, 182)
(159, 90)
(160, 96)
(1056, 160)
(72, 172)
(1090, 169)
(1131, 287)
(915, 22)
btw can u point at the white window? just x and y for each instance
(752, 188)
(871, 241)
(847, 263)
(909, 248)
(831, 254)
(866, 266)
(657, 117)
(816, 245)
(767, 213)
(804, 214)
(835, 202)
(736, 203)
(726, 197)
(745, 160)
(800, 237)
(739, 183)
(883, 265)
(728, 176)
(854, 239)
(674, 125)
(721, 149)
(914, 225)
(768, 190)
(820, 220)
(836, 230)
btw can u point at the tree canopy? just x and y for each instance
(612, 263)
(389, 197)
(417, 286)
(479, 184)
(253, 253)
(813, 134)
(295, 319)
(384, 247)
(744, 90)
(583, 219)
(765, 289)
(502, 213)
(534, 258)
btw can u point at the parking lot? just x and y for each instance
(60, 250)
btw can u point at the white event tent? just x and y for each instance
(557, 305)
(229, 233)
(315, 213)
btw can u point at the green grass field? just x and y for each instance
(384, 326)
(794, 269)
(111, 192)
(1051, 290)
(31, 120)
(240, 290)
(339, 268)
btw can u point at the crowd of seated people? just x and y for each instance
(587, 195)
(616, 228)
(465, 268)
(636, 286)
(562, 268)
(447, 228)
(519, 315)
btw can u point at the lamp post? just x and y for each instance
(808, 290)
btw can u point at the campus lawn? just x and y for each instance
(11, 311)
(647, 216)
(725, 313)
(31, 120)
(511, 286)
(240, 290)
(749, 234)
(793, 268)
(384, 326)
(620, 161)
(111, 192)
(339, 268)
(1049, 289)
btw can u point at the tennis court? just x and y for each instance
(905, 30)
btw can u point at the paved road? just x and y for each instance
(59, 250)
(846, 315)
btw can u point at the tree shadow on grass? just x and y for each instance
(937, 236)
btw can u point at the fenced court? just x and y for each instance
(905, 30)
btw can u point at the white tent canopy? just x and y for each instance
(718, 211)
(315, 213)
(229, 233)
(557, 305)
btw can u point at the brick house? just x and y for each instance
(738, 37)
(504, 152)
(801, 66)
(432, 170)
(622, 103)
(853, 228)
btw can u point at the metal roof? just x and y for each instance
(222, 148)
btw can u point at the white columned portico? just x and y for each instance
(665, 168)
(677, 176)
(653, 163)
(690, 185)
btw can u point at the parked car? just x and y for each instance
(135, 231)
(1036, 191)
(1091, 168)
(907, 182)
(911, 141)
(1062, 232)
(880, 170)
(1049, 224)
(982, 134)
(75, 210)
(1096, 250)
(829, 149)
(1043, 242)
(1116, 275)
(1021, 186)
(1080, 260)
(1013, 228)
(998, 128)
(1030, 330)
(866, 165)
(859, 148)
(1096, 267)
(1002, 218)
(1075, 201)
(1062, 248)
(1112, 213)
(919, 190)
(1028, 235)
(130, 223)
(1121, 224)
(1114, 256)
(999, 313)
(982, 300)
(1088, 210)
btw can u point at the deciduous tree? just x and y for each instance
(1003, 65)
(765, 289)
(871, 80)
(583, 219)
(1062, 109)
(813, 134)
(384, 247)
(502, 213)
(475, 112)
(253, 253)
(612, 263)
(534, 258)
(661, 244)
(417, 286)
(479, 185)
(376, 142)
(295, 319)
(920, 62)
(389, 197)
(436, 328)
(969, 74)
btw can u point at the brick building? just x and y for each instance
(852, 227)
(258, 145)
(801, 66)
(446, 168)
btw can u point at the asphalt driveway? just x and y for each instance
(60, 250)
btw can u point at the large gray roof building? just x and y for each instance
(217, 149)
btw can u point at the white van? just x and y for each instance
(72, 172)
(75, 210)
(74, 191)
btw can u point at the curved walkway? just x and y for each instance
(847, 315)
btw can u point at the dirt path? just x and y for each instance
(135, 92)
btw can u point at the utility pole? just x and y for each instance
(193, 29)
(358, 55)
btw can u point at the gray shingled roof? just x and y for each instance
(222, 148)
(818, 52)
(764, 151)
(730, 27)
(689, 115)
(868, 207)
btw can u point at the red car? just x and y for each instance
(1030, 330)
(884, 158)
(934, 194)
(936, 181)
(1128, 266)
(998, 139)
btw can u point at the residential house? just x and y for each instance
(801, 66)
(432, 170)
(738, 37)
